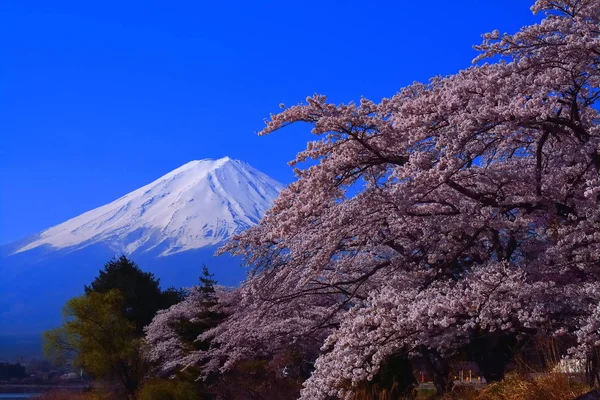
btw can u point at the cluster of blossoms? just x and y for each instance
(167, 348)
(464, 205)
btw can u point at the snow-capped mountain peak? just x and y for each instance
(201, 203)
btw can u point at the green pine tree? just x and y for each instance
(141, 290)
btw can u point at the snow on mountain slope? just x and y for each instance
(199, 204)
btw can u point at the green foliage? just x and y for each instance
(141, 291)
(168, 390)
(102, 341)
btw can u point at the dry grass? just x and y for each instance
(513, 387)
(374, 392)
(521, 387)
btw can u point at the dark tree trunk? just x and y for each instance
(592, 370)
(128, 382)
(439, 369)
(403, 376)
(492, 352)
(396, 373)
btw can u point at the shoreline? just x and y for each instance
(24, 388)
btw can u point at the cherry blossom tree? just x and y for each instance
(192, 340)
(458, 214)
(454, 209)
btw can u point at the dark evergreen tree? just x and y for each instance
(172, 296)
(207, 317)
(207, 288)
(141, 290)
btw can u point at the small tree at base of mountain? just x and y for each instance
(206, 318)
(99, 339)
(141, 290)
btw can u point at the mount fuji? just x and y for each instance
(199, 204)
(169, 227)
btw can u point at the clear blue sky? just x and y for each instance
(100, 98)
